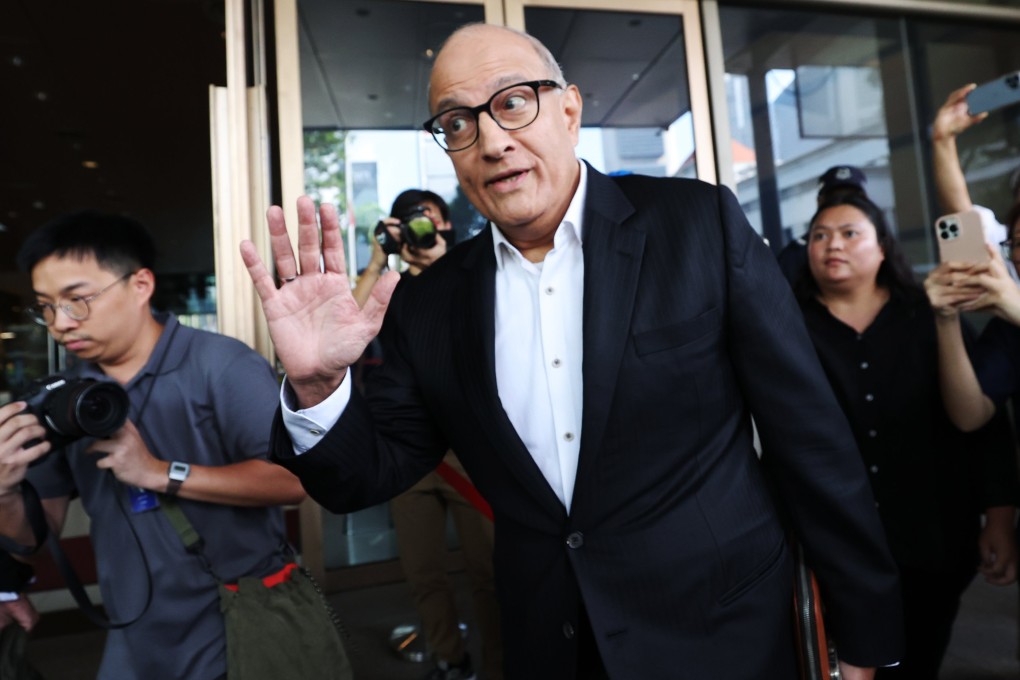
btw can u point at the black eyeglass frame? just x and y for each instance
(37, 312)
(476, 111)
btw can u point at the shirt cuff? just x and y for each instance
(9, 597)
(308, 426)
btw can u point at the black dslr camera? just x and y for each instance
(72, 408)
(417, 230)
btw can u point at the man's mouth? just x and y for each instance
(73, 344)
(507, 179)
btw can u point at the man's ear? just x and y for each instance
(572, 106)
(143, 283)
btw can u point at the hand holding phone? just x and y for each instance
(961, 237)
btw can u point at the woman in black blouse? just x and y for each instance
(874, 332)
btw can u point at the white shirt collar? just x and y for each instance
(575, 212)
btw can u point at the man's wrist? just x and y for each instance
(311, 392)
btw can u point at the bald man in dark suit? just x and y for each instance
(595, 357)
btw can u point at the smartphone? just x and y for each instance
(995, 94)
(961, 237)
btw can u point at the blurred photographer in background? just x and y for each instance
(197, 428)
(418, 229)
(420, 513)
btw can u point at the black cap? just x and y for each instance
(842, 176)
(408, 200)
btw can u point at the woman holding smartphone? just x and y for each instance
(874, 332)
(976, 391)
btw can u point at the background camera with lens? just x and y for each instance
(416, 229)
(72, 408)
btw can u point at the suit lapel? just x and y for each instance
(474, 326)
(612, 266)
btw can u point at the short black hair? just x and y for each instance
(407, 200)
(119, 244)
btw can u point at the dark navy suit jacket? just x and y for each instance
(674, 543)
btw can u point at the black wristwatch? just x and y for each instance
(178, 473)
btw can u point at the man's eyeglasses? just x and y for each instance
(512, 108)
(75, 306)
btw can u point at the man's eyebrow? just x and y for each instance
(63, 291)
(447, 103)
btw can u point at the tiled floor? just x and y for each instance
(984, 645)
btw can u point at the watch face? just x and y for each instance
(179, 471)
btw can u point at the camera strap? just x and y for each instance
(36, 521)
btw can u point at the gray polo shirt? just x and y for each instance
(211, 404)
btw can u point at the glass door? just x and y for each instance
(640, 68)
(363, 69)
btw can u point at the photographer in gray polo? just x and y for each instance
(197, 427)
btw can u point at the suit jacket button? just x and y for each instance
(568, 630)
(575, 540)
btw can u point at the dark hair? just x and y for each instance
(119, 244)
(407, 200)
(1012, 218)
(894, 274)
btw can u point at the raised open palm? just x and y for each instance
(316, 326)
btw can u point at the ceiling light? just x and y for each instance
(91, 165)
(41, 96)
(9, 335)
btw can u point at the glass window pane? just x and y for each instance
(632, 72)
(809, 90)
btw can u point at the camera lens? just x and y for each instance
(101, 409)
(421, 230)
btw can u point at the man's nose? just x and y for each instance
(62, 320)
(492, 139)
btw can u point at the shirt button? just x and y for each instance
(568, 630)
(569, 436)
(575, 540)
(874, 469)
(869, 397)
(556, 363)
(872, 433)
(315, 432)
(864, 365)
(550, 290)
